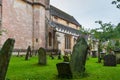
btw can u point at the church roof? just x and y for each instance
(59, 13)
(64, 29)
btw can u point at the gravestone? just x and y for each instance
(64, 70)
(59, 54)
(94, 54)
(42, 56)
(102, 54)
(109, 60)
(78, 58)
(29, 53)
(117, 53)
(66, 58)
(5, 55)
(51, 55)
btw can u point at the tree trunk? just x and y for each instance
(99, 50)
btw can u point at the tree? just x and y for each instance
(85, 31)
(104, 33)
(117, 31)
(117, 3)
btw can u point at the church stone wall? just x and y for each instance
(17, 21)
(39, 27)
(61, 40)
(64, 22)
(0, 16)
(25, 22)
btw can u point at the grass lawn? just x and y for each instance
(19, 69)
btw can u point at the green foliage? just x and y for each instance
(117, 32)
(117, 3)
(85, 31)
(117, 45)
(110, 46)
(0, 32)
(105, 32)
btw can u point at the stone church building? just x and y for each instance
(38, 24)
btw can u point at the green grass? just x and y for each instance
(19, 69)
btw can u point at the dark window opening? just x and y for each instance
(67, 42)
(36, 39)
(50, 39)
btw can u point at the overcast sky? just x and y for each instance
(86, 12)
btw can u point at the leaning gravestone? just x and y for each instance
(110, 60)
(42, 56)
(5, 55)
(78, 58)
(28, 53)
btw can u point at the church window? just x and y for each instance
(50, 39)
(36, 39)
(67, 42)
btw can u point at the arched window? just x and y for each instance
(50, 39)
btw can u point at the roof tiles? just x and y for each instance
(59, 13)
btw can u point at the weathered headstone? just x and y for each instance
(59, 54)
(51, 55)
(42, 56)
(109, 60)
(5, 55)
(94, 54)
(18, 54)
(117, 53)
(66, 58)
(102, 54)
(64, 70)
(78, 58)
(29, 53)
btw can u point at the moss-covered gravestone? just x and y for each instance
(5, 55)
(78, 58)
(42, 56)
